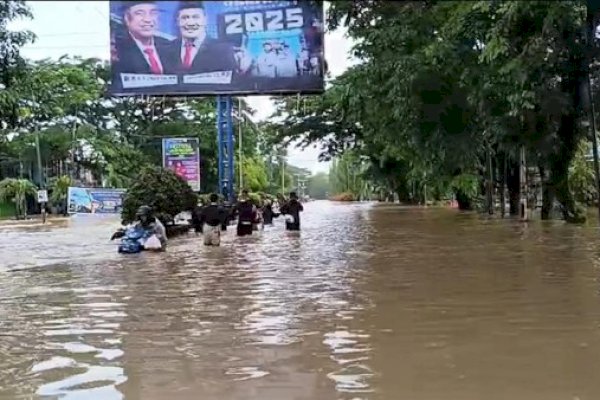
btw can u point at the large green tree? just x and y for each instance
(448, 93)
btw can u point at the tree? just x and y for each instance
(60, 191)
(581, 176)
(11, 63)
(163, 190)
(318, 186)
(108, 141)
(346, 176)
(17, 190)
(254, 173)
(448, 93)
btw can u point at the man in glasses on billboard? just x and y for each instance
(141, 51)
(194, 51)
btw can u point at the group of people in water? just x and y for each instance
(213, 218)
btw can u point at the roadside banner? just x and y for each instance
(182, 156)
(82, 200)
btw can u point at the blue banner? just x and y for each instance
(95, 200)
(216, 47)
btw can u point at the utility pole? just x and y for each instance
(41, 179)
(592, 7)
(241, 162)
(72, 172)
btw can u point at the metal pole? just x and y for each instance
(220, 144)
(590, 59)
(230, 148)
(73, 146)
(241, 185)
(40, 173)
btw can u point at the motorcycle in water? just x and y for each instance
(133, 239)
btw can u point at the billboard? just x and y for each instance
(187, 48)
(182, 156)
(82, 200)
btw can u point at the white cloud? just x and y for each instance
(64, 27)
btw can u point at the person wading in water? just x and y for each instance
(268, 213)
(212, 218)
(246, 215)
(292, 209)
(196, 217)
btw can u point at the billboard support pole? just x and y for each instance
(221, 187)
(225, 146)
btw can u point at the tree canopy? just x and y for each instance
(447, 93)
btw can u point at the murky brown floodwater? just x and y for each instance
(369, 302)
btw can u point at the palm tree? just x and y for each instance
(60, 191)
(16, 190)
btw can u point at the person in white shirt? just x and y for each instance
(287, 66)
(266, 62)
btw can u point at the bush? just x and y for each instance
(161, 189)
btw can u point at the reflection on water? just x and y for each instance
(369, 302)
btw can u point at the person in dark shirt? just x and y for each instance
(213, 217)
(197, 218)
(292, 209)
(246, 215)
(194, 52)
(230, 215)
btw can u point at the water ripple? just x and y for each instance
(366, 303)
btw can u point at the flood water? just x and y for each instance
(369, 302)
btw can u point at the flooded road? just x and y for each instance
(370, 302)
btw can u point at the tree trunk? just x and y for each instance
(464, 202)
(513, 183)
(502, 166)
(401, 189)
(568, 139)
(548, 195)
(489, 183)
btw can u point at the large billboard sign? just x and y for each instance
(182, 156)
(81, 200)
(188, 48)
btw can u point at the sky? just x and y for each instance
(82, 28)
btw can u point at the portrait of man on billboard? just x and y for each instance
(266, 62)
(140, 50)
(194, 51)
(211, 47)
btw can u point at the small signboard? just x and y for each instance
(42, 196)
(182, 156)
